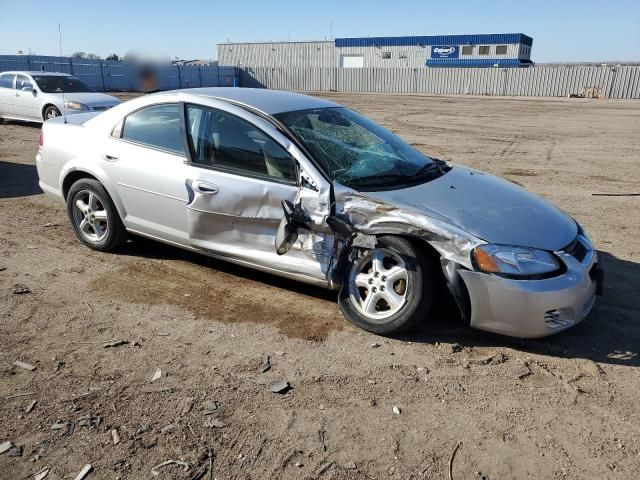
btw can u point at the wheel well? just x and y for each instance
(73, 177)
(45, 108)
(458, 291)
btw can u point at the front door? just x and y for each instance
(25, 101)
(242, 169)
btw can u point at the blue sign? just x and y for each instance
(445, 51)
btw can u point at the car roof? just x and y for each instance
(267, 101)
(26, 72)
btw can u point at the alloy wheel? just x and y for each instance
(90, 215)
(378, 284)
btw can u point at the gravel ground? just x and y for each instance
(561, 407)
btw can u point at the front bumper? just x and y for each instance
(533, 308)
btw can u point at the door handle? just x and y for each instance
(205, 188)
(109, 157)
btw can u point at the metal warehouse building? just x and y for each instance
(486, 50)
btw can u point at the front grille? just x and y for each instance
(555, 320)
(576, 249)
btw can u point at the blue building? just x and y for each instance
(484, 50)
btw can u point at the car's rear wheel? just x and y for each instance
(94, 217)
(51, 112)
(388, 289)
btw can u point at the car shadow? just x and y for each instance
(18, 180)
(610, 334)
(146, 248)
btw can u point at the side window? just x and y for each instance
(6, 80)
(23, 81)
(157, 126)
(222, 140)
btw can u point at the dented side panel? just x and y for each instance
(240, 221)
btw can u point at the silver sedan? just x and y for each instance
(39, 96)
(305, 188)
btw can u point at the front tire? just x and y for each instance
(389, 289)
(94, 217)
(50, 112)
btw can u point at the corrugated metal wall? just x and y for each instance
(549, 81)
(325, 54)
(109, 75)
(292, 54)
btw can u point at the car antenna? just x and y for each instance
(64, 106)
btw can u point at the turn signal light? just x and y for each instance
(485, 262)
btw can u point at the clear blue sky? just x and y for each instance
(571, 30)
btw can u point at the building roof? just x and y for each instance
(491, 38)
(267, 101)
(477, 62)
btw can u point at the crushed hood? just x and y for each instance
(492, 209)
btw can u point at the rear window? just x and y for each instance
(157, 126)
(6, 81)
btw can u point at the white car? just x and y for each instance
(38, 96)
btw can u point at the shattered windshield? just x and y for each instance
(61, 84)
(355, 151)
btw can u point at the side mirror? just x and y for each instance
(295, 217)
(295, 214)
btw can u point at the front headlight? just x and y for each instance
(514, 261)
(71, 105)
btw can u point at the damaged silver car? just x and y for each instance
(305, 188)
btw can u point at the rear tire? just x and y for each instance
(389, 289)
(50, 112)
(94, 217)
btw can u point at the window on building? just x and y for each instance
(501, 50)
(403, 55)
(157, 126)
(467, 50)
(484, 50)
(386, 55)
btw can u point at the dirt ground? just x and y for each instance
(565, 407)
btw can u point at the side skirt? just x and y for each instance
(237, 261)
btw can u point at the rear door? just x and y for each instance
(6, 94)
(145, 157)
(26, 103)
(241, 171)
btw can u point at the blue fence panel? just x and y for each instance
(14, 62)
(89, 71)
(40, 63)
(169, 78)
(113, 75)
(190, 75)
(117, 75)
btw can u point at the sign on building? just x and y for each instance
(445, 51)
